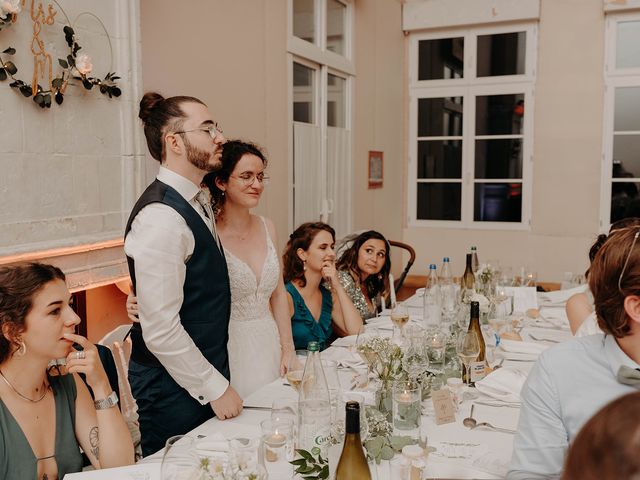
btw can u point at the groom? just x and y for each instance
(179, 367)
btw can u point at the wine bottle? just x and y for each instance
(352, 464)
(474, 259)
(477, 368)
(468, 280)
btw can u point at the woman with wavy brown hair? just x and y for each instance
(316, 296)
(45, 419)
(607, 446)
(363, 270)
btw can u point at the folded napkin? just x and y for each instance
(503, 384)
(348, 341)
(517, 350)
(212, 443)
(344, 357)
(559, 297)
(415, 300)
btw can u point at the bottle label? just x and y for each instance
(477, 371)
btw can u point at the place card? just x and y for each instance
(524, 298)
(443, 406)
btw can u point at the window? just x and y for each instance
(470, 133)
(621, 178)
(322, 75)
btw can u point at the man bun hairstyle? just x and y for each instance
(159, 116)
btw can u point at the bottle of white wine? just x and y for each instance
(352, 464)
(477, 368)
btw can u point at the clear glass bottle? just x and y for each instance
(432, 301)
(314, 404)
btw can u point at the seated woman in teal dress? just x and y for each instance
(45, 419)
(316, 296)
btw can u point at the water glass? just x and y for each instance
(244, 456)
(436, 342)
(295, 368)
(277, 446)
(407, 411)
(179, 459)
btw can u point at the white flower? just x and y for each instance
(9, 6)
(83, 64)
(482, 300)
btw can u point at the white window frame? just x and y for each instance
(613, 78)
(315, 55)
(469, 87)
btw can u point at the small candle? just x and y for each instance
(404, 397)
(272, 443)
(392, 291)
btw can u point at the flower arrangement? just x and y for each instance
(74, 67)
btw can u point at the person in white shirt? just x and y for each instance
(179, 367)
(573, 380)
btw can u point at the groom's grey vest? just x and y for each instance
(207, 296)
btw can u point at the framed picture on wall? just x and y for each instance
(375, 169)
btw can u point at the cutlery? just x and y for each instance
(540, 339)
(255, 407)
(471, 423)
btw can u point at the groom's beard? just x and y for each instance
(199, 158)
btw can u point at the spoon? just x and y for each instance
(499, 365)
(470, 422)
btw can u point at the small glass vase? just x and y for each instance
(384, 401)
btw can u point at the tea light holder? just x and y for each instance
(406, 409)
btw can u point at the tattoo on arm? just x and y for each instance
(94, 442)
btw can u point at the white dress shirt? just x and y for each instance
(568, 385)
(160, 243)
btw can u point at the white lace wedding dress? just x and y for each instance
(254, 344)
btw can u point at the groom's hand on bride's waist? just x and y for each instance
(229, 405)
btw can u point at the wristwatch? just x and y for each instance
(110, 401)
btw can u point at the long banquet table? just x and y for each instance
(459, 452)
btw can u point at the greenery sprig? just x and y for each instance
(311, 465)
(71, 70)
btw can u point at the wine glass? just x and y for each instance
(295, 368)
(399, 318)
(179, 459)
(468, 349)
(415, 357)
(363, 348)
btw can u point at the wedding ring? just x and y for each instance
(80, 355)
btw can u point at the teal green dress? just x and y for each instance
(17, 460)
(303, 326)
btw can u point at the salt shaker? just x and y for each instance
(418, 466)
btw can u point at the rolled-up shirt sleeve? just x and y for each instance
(541, 442)
(160, 243)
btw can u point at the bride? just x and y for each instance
(259, 329)
(260, 337)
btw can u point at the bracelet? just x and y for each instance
(110, 401)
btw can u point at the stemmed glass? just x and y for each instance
(295, 368)
(369, 355)
(179, 459)
(468, 349)
(399, 318)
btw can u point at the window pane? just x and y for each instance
(336, 15)
(440, 117)
(303, 93)
(628, 45)
(498, 202)
(441, 59)
(440, 159)
(499, 114)
(499, 158)
(625, 201)
(627, 109)
(336, 90)
(626, 156)
(501, 54)
(439, 201)
(304, 24)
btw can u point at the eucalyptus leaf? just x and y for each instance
(9, 51)
(63, 63)
(3, 74)
(11, 68)
(387, 452)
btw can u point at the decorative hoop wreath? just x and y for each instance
(70, 68)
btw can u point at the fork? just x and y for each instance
(538, 339)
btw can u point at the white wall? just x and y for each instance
(69, 174)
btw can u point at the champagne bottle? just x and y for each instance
(352, 464)
(468, 280)
(477, 368)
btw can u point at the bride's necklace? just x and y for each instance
(44, 392)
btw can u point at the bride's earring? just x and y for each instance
(379, 276)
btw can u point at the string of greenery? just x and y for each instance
(41, 96)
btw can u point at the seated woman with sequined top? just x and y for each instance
(363, 270)
(45, 419)
(316, 296)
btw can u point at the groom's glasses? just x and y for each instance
(624, 267)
